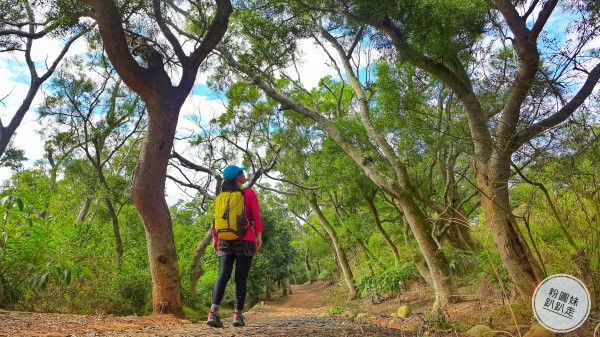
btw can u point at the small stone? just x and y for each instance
(537, 330)
(403, 311)
(480, 331)
(412, 327)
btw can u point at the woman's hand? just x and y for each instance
(258, 241)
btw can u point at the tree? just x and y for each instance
(13, 158)
(23, 24)
(143, 53)
(97, 117)
(510, 99)
(395, 181)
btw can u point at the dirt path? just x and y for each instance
(299, 315)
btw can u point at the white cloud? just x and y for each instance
(314, 64)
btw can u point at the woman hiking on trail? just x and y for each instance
(240, 250)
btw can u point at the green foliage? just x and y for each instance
(436, 27)
(462, 262)
(13, 158)
(276, 254)
(134, 290)
(336, 310)
(206, 283)
(390, 281)
(31, 253)
(327, 275)
(47, 261)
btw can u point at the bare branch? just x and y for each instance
(561, 115)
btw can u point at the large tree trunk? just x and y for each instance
(420, 264)
(163, 103)
(523, 270)
(585, 274)
(148, 194)
(339, 251)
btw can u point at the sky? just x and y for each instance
(14, 78)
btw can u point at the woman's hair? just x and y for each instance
(229, 185)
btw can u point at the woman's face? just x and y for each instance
(240, 179)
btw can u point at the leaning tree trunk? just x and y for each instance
(394, 187)
(196, 269)
(307, 267)
(417, 258)
(339, 251)
(83, 212)
(116, 231)
(523, 270)
(381, 230)
(434, 256)
(148, 195)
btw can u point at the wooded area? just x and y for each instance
(456, 144)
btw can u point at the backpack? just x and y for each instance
(230, 215)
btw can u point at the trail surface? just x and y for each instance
(299, 315)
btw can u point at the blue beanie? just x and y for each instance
(231, 171)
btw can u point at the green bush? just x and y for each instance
(387, 282)
(325, 275)
(335, 311)
(205, 286)
(462, 262)
(134, 294)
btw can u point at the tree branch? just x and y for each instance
(561, 115)
(167, 32)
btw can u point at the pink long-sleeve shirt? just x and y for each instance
(254, 221)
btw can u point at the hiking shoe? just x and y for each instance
(214, 320)
(238, 320)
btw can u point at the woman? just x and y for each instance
(239, 251)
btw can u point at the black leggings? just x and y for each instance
(242, 268)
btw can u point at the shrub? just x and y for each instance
(387, 282)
